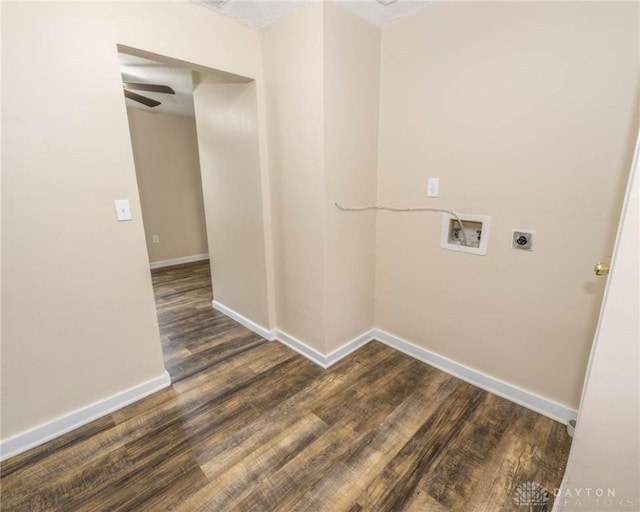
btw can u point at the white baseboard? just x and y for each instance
(537, 403)
(243, 320)
(527, 399)
(300, 347)
(325, 361)
(47, 431)
(178, 261)
(351, 346)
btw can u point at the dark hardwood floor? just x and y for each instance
(249, 425)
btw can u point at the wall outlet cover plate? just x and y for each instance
(479, 237)
(522, 239)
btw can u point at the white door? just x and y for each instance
(603, 472)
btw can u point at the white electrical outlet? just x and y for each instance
(433, 187)
(155, 239)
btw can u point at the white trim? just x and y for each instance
(351, 346)
(527, 399)
(47, 431)
(178, 261)
(63, 424)
(243, 320)
(301, 348)
(325, 361)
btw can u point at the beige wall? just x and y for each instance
(526, 112)
(226, 117)
(165, 151)
(605, 453)
(321, 76)
(351, 95)
(293, 69)
(79, 321)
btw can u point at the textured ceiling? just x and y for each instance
(262, 13)
(384, 15)
(141, 70)
(254, 13)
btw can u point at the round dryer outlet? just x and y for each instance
(522, 240)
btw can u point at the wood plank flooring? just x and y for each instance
(249, 425)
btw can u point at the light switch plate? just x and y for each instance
(123, 210)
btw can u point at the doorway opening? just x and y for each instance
(162, 126)
(196, 153)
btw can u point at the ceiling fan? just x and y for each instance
(149, 102)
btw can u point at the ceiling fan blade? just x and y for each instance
(149, 87)
(141, 99)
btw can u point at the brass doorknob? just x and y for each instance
(601, 269)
